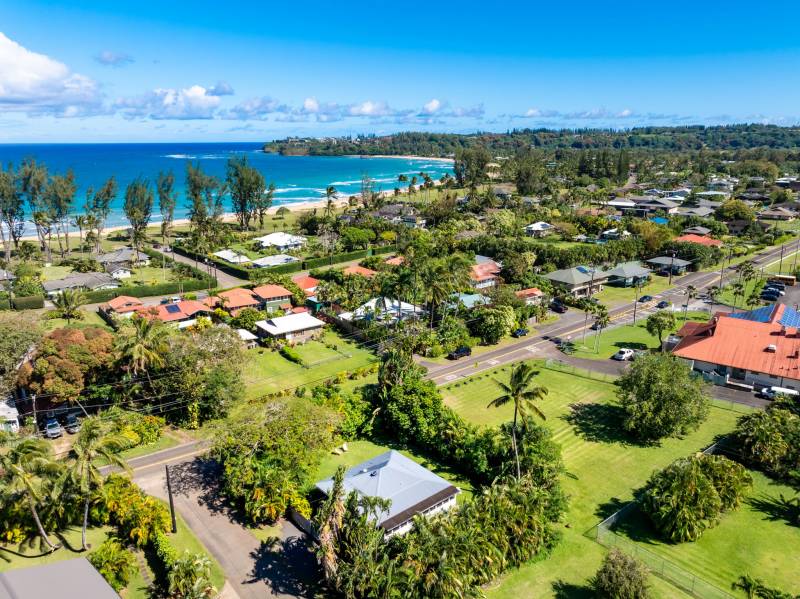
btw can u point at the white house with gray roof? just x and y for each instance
(86, 281)
(581, 281)
(412, 489)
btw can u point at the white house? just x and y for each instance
(411, 489)
(9, 417)
(539, 229)
(296, 328)
(118, 270)
(232, 257)
(275, 260)
(383, 309)
(281, 241)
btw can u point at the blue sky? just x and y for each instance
(207, 71)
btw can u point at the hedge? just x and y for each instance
(165, 553)
(103, 295)
(31, 302)
(282, 269)
(385, 249)
(226, 267)
(335, 259)
(5, 304)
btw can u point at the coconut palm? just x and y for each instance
(142, 345)
(690, 293)
(588, 307)
(738, 291)
(27, 469)
(523, 393)
(93, 445)
(601, 321)
(330, 193)
(713, 294)
(68, 304)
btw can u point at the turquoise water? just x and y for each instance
(296, 178)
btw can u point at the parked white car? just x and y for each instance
(624, 354)
(773, 392)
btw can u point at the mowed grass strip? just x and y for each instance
(604, 468)
(266, 371)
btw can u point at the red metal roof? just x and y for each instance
(268, 292)
(744, 344)
(305, 282)
(182, 310)
(485, 271)
(236, 298)
(532, 292)
(701, 239)
(124, 303)
(355, 269)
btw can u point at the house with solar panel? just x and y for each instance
(411, 489)
(759, 348)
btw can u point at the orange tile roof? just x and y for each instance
(124, 303)
(701, 239)
(395, 261)
(305, 282)
(355, 269)
(269, 292)
(485, 271)
(740, 343)
(236, 298)
(165, 313)
(532, 292)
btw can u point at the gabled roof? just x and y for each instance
(539, 226)
(175, 312)
(357, 270)
(531, 292)
(232, 257)
(411, 488)
(87, 280)
(305, 282)
(268, 292)
(696, 230)
(470, 300)
(668, 261)
(575, 276)
(275, 260)
(121, 255)
(699, 239)
(293, 323)
(124, 303)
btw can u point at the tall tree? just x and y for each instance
(141, 346)
(32, 184)
(27, 469)
(12, 211)
(138, 208)
(94, 446)
(205, 194)
(59, 199)
(247, 186)
(98, 207)
(690, 293)
(659, 323)
(330, 194)
(521, 391)
(69, 302)
(167, 198)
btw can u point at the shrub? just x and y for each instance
(190, 576)
(621, 577)
(689, 496)
(138, 517)
(290, 354)
(114, 563)
(31, 302)
(164, 552)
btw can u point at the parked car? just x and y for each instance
(773, 392)
(774, 290)
(558, 308)
(663, 304)
(623, 355)
(71, 424)
(596, 326)
(777, 284)
(520, 332)
(646, 298)
(771, 297)
(52, 429)
(460, 352)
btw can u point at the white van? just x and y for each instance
(773, 392)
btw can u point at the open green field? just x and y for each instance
(727, 298)
(614, 296)
(267, 371)
(628, 335)
(362, 450)
(755, 539)
(786, 267)
(603, 470)
(90, 318)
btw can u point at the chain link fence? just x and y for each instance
(558, 365)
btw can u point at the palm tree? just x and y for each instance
(81, 222)
(738, 291)
(143, 345)
(523, 393)
(601, 320)
(27, 467)
(330, 193)
(588, 307)
(713, 294)
(690, 293)
(94, 444)
(68, 303)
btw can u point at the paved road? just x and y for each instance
(224, 279)
(283, 567)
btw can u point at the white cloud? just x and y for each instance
(431, 107)
(371, 109)
(193, 102)
(310, 105)
(222, 88)
(113, 59)
(625, 113)
(256, 108)
(37, 84)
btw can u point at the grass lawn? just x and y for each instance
(267, 371)
(726, 297)
(164, 442)
(628, 335)
(603, 471)
(148, 275)
(11, 557)
(184, 540)
(786, 267)
(362, 450)
(614, 296)
(53, 273)
(90, 319)
(754, 539)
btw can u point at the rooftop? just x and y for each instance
(411, 488)
(281, 239)
(232, 257)
(357, 270)
(699, 239)
(293, 323)
(88, 280)
(68, 579)
(267, 292)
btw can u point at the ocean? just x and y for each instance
(296, 178)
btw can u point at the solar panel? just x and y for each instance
(173, 309)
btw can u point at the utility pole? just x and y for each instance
(672, 266)
(780, 264)
(171, 504)
(35, 421)
(638, 288)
